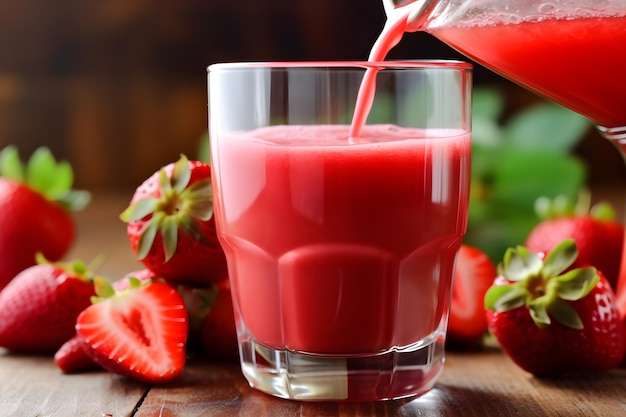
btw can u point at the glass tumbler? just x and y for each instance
(341, 247)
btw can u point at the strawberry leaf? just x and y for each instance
(103, 289)
(501, 298)
(45, 175)
(134, 282)
(519, 263)
(181, 174)
(200, 197)
(140, 209)
(169, 232)
(576, 284)
(539, 313)
(10, 164)
(164, 183)
(565, 314)
(560, 258)
(148, 235)
(76, 200)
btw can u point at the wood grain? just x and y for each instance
(34, 386)
(482, 384)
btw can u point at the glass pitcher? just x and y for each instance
(571, 51)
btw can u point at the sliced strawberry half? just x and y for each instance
(140, 332)
(474, 274)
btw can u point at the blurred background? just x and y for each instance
(118, 87)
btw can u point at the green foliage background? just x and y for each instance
(517, 161)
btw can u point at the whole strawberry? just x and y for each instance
(551, 319)
(620, 294)
(72, 358)
(598, 236)
(36, 202)
(473, 275)
(140, 332)
(171, 226)
(38, 309)
(218, 337)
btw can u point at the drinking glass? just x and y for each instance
(340, 248)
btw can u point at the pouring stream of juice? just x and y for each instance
(395, 26)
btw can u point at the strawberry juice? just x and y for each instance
(347, 241)
(339, 249)
(577, 60)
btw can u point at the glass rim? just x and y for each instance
(380, 65)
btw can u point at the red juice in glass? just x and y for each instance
(341, 247)
(348, 241)
(576, 60)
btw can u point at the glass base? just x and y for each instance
(395, 374)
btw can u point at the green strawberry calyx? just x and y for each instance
(104, 289)
(45, 175)
(76, 269)
(180, 204)
(542, 285)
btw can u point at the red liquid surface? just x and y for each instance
(338, 248)
(577, 62)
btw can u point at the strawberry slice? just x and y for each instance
(140, 332)
(474, 274)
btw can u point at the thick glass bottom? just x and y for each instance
(398, 373)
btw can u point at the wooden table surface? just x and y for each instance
(484, 383)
